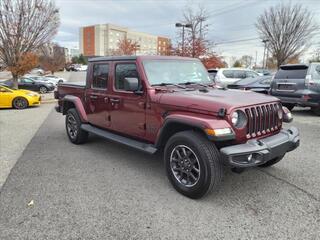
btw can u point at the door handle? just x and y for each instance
(93, 97)
(114, 100)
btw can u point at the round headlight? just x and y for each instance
(239, 119)
(235, 118)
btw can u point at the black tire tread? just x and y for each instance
(212, 154)
(82, 135)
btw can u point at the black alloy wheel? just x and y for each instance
(185, 165)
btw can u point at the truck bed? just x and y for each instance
(74, 88)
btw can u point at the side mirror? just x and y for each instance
(131, 84)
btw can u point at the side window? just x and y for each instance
(124, 70)
(315, 72)
(239, 74)
(100, 76)
(251, 74)
(25, 80)
(228, 73)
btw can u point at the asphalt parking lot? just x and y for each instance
(102, 190)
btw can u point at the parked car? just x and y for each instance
(226, 76)
(70, 67)
(48, 78)
(259, 84)
(298, 84)
(55, 79)
(37, 71)
(155, 103)
(263, 72)
(19, 99)
(34, 85)
(81, 68)
(212, 73)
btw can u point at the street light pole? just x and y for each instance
(264, 52)
(183, 26)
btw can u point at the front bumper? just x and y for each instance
(256, 152)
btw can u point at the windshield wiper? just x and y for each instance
(190, 83)
(169, 84)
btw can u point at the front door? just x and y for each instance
(6, 97)
(27, 83)
(127, 109)
(96, 95)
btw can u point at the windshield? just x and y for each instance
(175, 72)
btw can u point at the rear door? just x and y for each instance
(289, 81)
(96, 95)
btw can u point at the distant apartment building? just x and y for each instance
(103, 39)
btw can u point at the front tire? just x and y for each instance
(20, 103)
(192, 164)
(73, 127)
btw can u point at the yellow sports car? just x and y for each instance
(19, 99)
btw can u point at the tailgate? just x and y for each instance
(289, 81)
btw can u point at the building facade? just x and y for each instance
(103, 39)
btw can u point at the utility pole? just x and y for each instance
(255, 63)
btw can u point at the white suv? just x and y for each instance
(226, 76)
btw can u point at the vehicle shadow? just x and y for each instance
(251, 184)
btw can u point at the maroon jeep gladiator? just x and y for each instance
(155, 103)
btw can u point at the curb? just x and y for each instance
(49, 101)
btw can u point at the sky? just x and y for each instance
(231, 22)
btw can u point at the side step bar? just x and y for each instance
(148, 148)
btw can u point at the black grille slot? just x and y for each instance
(262, 119)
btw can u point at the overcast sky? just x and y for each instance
(229, 20)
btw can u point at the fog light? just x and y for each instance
(250, 158)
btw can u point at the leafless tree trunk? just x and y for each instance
(288, 30)
(25, 25)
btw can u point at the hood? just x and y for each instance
(214, 99)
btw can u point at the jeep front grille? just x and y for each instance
(262, 119)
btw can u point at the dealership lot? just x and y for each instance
(104, 190)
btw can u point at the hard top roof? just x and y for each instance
(124, 58)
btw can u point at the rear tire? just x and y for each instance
(43, 90)
(193, 164)
(20, 103)
(272, 162)
(289, 106)
(73, 127)
(316, 110)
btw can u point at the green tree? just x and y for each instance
(237, 63)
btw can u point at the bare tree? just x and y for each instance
(288, 30)
(246, 60)
(25, 25)
(195, 44)
(52, 58)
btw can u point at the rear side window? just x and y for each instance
(315, 72)
(100, 76)
(291, 74)
(228, 73)
(239, 74)
(125, 70)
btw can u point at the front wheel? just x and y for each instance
(316, 110)
(20, 103)
(192, 164)
(73, 127)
